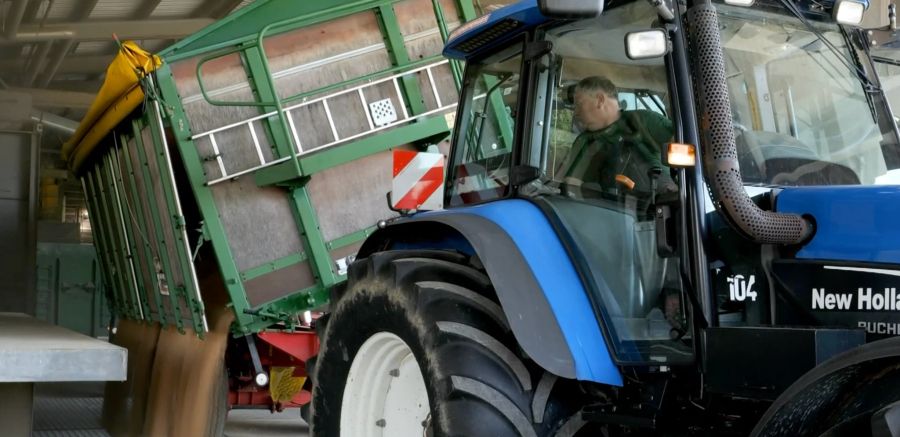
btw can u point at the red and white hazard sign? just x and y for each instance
(418, 181)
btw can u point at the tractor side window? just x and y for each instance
(481, 161)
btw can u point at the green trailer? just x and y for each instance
(231, 179)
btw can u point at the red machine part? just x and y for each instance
(276, 349)
(299, 345)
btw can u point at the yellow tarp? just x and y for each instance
(119, 95)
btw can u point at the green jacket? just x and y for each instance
(631, 146)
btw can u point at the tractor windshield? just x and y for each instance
(800, 105)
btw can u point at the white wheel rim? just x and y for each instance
(385, 393)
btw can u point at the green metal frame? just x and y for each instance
(216, 55)
(118, 184)
(139, 217)
(188, 291)
(125, 247)
(112, 243)
(161, 246)
(180, 125)
(396, 47)
(244, 33)
(100, 237)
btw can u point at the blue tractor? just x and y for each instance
(660, 218)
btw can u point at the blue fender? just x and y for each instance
(544, 299)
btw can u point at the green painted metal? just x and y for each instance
(245, 24)
(503, 123)
(70, 288)
(302, 96)
(129, 233)
(428, 129)
(261, 79)
(393, 40)
(156, 214)
(287, 307)
(314, 244)
(349, 239)
(216, 55)
(100, 239)
(466, 10)
(120, 287)
(116, 269)
(455, 66)
(126, 249)
(142, 227)
(298, 258)
(363, 79)
(270, 267)
(189, 290)
(304, 212)
(468, 13)
(245, 33)
(203, 195)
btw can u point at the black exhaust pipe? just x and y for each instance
(720, 160)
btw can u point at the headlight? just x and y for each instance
(850, 12)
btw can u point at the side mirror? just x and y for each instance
(646, 44)
(571, 8)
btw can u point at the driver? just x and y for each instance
(621, 151)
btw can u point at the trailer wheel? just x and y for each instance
(417, 346)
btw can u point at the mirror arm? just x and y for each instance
(663, 10)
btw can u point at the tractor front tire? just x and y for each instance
(438, 312)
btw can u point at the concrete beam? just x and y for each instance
(216, 8)
(72, 64)
(104, 30)
(53, 64)
(146, 9)
(50, 99)
(16, 12)
(37, 63)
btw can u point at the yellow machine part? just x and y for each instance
(283, 385)
(120, 94)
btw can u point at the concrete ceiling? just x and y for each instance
(56, 51)
(53, 58)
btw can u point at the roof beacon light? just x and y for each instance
(850, 12)
(744, 3)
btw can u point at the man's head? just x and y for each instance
(596, 103)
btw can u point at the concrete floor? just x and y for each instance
(252, 423)
(74, 409)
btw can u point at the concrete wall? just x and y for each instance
(18, 197)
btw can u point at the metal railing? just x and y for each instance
(336, 137)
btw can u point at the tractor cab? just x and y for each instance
(525, 129)
(595, 121)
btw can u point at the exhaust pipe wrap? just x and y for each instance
(720, 160)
